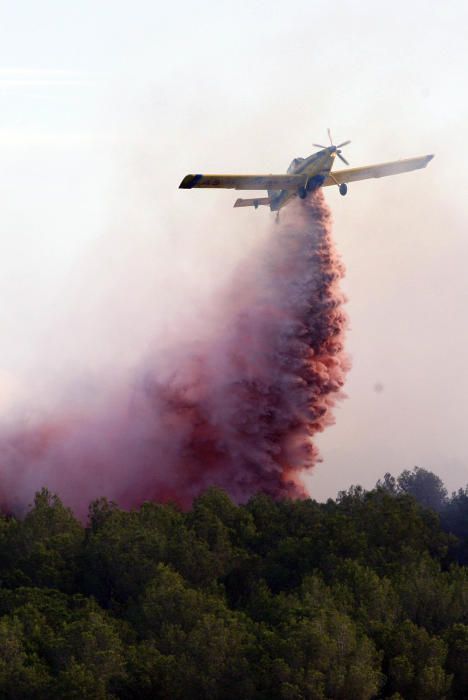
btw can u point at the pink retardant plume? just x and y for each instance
(237, 408)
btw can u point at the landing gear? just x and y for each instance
(302, 192)
(343, 188)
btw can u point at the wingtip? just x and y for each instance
(190, 181)
(184, 185)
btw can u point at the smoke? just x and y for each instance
(234, 402)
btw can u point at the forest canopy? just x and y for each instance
(364, 596)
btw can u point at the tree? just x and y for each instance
(44, 548)
(123, 549)
(454, 519)
(364, 596)
(432, 598)
(209, 642)
(89, 655)
(414, 663)
(22, 674)
(457, 658)
(425, 486)
(388, 484)
(274, 600)
(325, 657)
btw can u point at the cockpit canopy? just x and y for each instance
(295, 165)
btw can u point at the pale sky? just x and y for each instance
(106, 105)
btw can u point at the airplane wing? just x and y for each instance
(244, 182)
(382, 170)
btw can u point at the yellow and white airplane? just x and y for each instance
(303, 176)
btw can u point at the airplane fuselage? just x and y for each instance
(317, 167)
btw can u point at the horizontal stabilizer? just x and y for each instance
(258, 202)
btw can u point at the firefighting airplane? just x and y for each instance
(303, 176)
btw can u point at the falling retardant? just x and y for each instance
(235, 407)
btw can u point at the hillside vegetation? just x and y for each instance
(365, 596)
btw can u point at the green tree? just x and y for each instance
(67, 637)
(209, 642)
(369, 599)
(326, 657)
(123, 549)
(457, 659)
(414, 663)
(44, 548)
(22, 674)
(378, 530)
(425, 486)
(274, 600)
(454, 519)
(89, 654)
(432, 598)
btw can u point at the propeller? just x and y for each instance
(335, 148)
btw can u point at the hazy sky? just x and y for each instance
(104, 106)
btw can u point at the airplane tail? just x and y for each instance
(257, 202)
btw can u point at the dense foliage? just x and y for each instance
(362, 597)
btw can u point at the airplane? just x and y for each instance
(304, 175)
